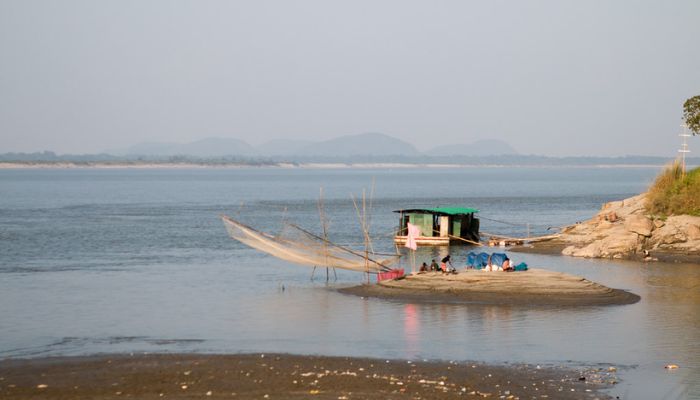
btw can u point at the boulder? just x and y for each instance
(623, 243)
(639, 224)
(592, 250)
(674, 239)
(693, 232)
(633, 205)
(569, 250)
(610, 216)
(679, 229)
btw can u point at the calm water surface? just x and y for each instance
(98, 261)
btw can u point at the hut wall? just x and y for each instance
(457, 227)
(473, 231)
(444, 226)
(424, 221)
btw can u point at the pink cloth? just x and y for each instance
(413, 233)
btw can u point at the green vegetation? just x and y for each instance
(691, 114)
(675, 193)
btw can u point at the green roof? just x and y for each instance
(451, 210)
(454, 210)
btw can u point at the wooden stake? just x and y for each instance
(324, 230)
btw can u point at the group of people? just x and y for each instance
(445, 266)
(493, 262)
(481, 261)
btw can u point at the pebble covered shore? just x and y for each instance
(282, 376)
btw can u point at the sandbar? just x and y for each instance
(525, 288)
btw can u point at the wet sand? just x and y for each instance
(528, 288)
(280, 376)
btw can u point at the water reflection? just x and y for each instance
(411, 330)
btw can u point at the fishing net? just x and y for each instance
(299, 246)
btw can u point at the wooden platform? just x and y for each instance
(425, 240)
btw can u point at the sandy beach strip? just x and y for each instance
(528, 288)
(282, 376)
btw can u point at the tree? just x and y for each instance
(691, 114)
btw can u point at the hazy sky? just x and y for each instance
(549, 77)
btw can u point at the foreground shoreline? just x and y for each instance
(284, 376)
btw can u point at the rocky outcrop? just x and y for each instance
(623, 229)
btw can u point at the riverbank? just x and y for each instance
(624, 230)
(527, 288)
(282, 376)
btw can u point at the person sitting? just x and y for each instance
(424, 268)
(507, 266)
(491, 264)
(446, 265)
(434, 266)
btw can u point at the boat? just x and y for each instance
(439, 226)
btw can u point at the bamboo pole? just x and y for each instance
(324, 230)
(465, 240)
(362, 216)
(529, 239)
(369, 218)
(364, 228)
(459, 238)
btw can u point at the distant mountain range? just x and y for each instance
(367, 148)
(363, 145)
(49, 158)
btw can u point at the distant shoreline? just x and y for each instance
(168, 165)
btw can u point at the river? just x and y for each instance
(137, 260)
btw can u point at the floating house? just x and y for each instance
(439, 226)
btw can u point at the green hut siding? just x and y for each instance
(456, 228)
(423, 221)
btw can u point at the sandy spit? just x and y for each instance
(535, 287)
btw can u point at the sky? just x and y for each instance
(560, 78)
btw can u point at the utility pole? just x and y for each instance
(684, 146)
